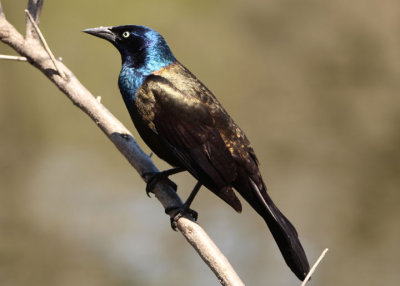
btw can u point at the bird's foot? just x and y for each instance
(177, 212)
(155, 178)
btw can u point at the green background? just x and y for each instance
(314, 84)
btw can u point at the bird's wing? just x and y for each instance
(186, 126)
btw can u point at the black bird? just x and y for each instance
(185, 125)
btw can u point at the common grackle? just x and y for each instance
(185, 125)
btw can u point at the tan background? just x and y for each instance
(315, 85)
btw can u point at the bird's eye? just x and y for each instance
(126, 34)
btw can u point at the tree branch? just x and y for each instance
(31, 48)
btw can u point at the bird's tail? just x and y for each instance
(282, 230)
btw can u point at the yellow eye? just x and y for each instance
(126, 34)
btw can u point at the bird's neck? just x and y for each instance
(133, 74)
(129, 81)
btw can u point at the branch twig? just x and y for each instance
(13, 58)
(42, 39)
(312, 270)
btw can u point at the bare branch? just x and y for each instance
(35, 9)
(32, 49)
(13, 58)
(312, 270)
(43, 40)
(199, 239)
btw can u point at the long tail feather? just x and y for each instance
(287, 239)
(282, 230)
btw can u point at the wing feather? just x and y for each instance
(188, 130)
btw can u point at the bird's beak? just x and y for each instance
(102, 32)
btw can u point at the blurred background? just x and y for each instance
(314, 84)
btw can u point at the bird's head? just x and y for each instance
(141, 47)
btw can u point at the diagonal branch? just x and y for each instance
(31, 48)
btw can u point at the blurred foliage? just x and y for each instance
(315, 85)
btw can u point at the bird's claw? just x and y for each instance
(156, 177)
(177, 212)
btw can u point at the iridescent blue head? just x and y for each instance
(140, 46)
(143, 52)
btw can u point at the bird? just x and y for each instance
(184, 124)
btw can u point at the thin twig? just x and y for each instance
(314, 267)
(42, 39)
(13, 58)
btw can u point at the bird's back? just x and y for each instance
(235, 139)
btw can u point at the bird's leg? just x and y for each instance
(179, 212)
(155, 177)
(192, 195)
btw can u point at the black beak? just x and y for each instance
(102, 32)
